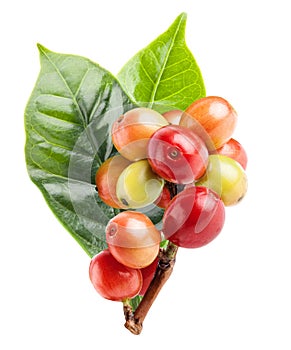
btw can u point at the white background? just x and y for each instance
(231, 294)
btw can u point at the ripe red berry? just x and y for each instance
(113, 280)
(177, 154)
(164, 198)
(233, 149)
(194, 217)
(147, 275)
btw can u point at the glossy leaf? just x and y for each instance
(69, 116)
(164, 75)
(68, 120)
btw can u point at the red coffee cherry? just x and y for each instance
(113, 280)
(177, 154)
(194, 217)
(233, 149)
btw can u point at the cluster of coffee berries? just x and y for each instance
(192, 152)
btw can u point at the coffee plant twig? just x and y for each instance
(134, 320)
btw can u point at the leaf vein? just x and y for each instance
(176, 92)
(146, 73)
(56, 118)
(50, 142)
(176, 75)
(81, 82)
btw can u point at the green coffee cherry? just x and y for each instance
(138, 186)
(226, 177)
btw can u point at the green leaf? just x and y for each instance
(69, 115)
(68, 120)
(164, 75)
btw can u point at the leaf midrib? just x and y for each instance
(156, 85)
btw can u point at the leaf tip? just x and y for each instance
(41, 48)
(183, 16)
(180, 22)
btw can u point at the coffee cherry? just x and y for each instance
(131, 131)
(113, 280)
(212, 118)
(177, 154)
(164, 198)
(194, 217)
(226, 177)
(106, 179)
(233, 149)
(173, 116)
(133, 239)
(147, 275)
(138, 186)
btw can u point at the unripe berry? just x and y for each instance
(173, 116)
(226, 177)
(212, 118)
(133, 239)
(106, 180)
(131, 132)
(138, 186)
